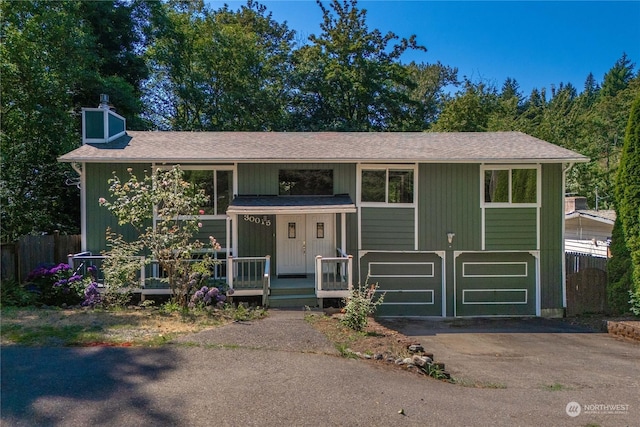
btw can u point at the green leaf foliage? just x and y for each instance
(628, 191)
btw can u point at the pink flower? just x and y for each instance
(201, 211)
(102, 200)
(199, 225)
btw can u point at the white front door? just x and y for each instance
(300, 238)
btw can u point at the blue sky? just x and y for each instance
(538, 43)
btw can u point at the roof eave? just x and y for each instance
(85, 159)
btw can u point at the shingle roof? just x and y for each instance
(262, 147)
(608, 216)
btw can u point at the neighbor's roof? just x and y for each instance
(605, 216)
(263, 147)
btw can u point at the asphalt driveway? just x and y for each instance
(529, 353)
(251, 374)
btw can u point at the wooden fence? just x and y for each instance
(21, 257)
(586, 284)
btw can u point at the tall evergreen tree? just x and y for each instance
(628, 191)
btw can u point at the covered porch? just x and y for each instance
(302, 241)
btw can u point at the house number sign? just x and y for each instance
(264, 220)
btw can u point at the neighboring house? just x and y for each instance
(448, 224)
(587, 231)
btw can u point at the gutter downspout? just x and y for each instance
(79, 168)
(565, 169)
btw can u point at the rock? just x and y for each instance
(399, 361)
(378, 356)
(416, 348)
(420, 361)
(407, 361)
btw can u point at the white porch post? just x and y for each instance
(234, 235)
(343, 232)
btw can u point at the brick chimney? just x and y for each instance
(575, 203)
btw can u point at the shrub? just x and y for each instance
(13, 294)
(360, 303)
(57, 284)
(121, 268)
(634, 302)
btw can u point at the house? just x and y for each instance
(587, 231)
(447, 224)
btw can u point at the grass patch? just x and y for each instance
(138, 327)
(51, 335)
(464, 382)
(555, 387)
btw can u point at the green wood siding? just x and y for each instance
(94, 124)
(116, 125)
(387, 228)
(449, 201)
(216, 228)
(257, 239)
(551, 239)
(511, 229)
(99, 217)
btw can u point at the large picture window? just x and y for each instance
(510, 185)
(387, 185)
(305, 182)
(216, 183)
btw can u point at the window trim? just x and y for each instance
(386, 167)
(234, 184)
(510, 168)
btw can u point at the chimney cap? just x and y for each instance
(104, 101)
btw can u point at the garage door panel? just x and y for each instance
(411, 282)
(495, 284)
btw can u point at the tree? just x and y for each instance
(619, 271)
(175, 204)
(349, 78)
(427, 94)
(469, 111)
(51, 67)
(219, 70)
(628, 191)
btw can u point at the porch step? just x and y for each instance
(292, 300)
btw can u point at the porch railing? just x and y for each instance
(334, 276)
(250, 276)
(82, 262)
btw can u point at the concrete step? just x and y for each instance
(292, 300)
(308, 291)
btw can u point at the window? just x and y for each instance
(510, 185)
(217, 184)
(305, 182)
(387, 185)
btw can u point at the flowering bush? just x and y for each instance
(168, 236)
(360, 303)
(58, 284)
(206, 296)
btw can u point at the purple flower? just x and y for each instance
(60, 282)
(75, 278)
